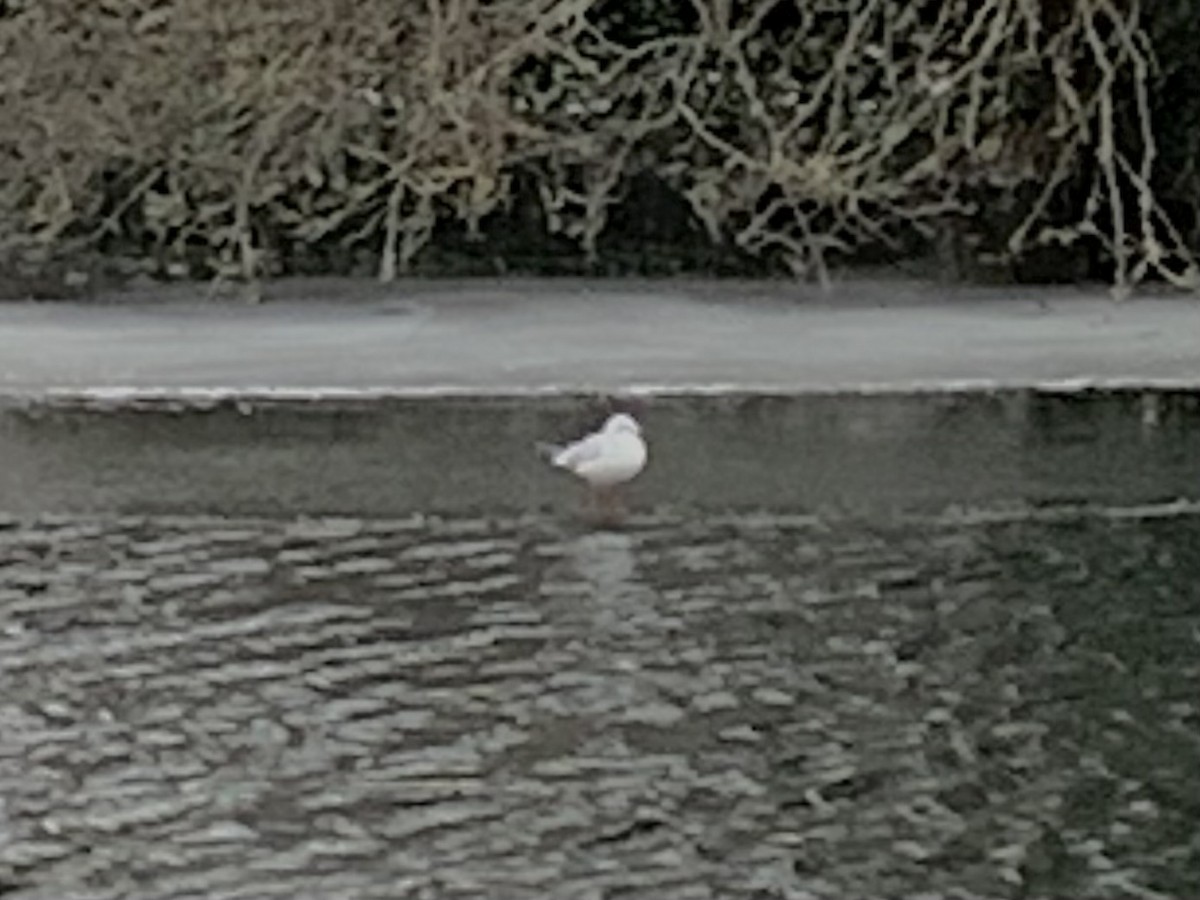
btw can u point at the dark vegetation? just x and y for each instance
(1019, 139)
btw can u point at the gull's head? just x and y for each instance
(622, 423)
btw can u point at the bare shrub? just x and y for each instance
(222, 140)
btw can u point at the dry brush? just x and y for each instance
(203, 138)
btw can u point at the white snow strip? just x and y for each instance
(123, 394)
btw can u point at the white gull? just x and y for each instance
(605, 459)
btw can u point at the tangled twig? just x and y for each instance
(798, 134)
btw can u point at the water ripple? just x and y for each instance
(971, 706)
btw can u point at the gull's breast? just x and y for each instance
(621, 459)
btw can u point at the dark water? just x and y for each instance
(1003, 706)
(469, 456)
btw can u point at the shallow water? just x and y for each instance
(985, 706)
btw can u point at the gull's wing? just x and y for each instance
(577, 454)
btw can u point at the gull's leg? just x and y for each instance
(609, 508)
(617, 503)
(593, 507)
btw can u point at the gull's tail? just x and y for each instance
(548, 452)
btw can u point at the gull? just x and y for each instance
(605, 459)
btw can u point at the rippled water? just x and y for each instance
(769, 707)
